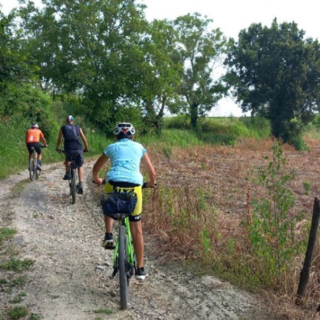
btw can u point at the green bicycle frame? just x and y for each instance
(130, 250)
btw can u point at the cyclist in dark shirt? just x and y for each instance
(71, 135)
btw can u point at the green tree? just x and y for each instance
(276, 74)
(162, 71)
(90, 48)
(201, 51)
(17, 95)
(13, 66)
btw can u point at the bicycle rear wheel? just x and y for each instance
(124, 290)
(73, 186)
(32, 171)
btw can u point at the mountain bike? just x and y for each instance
(73, 174)
(124, 260)
(34, 171)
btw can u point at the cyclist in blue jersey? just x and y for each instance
(125, 156)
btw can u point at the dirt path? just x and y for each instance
(70, 277)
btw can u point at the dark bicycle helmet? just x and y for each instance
(34, 125)
(70, 118)
(124, 129)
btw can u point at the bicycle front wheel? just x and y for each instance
(32, 171)
(73, 185)
(124, 290)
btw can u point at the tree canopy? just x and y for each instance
(276, 74)
(200, 51)
(106, 52)
(92, 49)
(13, 66)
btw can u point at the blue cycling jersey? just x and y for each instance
(125, 156)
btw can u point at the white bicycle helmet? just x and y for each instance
(34, 125)
(125, 128)
(70, 118)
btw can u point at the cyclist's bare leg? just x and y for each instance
(67, 164)
(108, 222)
(138, 243)
(80, 174)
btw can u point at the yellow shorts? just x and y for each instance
(136, 215)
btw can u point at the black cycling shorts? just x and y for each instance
(35, 145)
(78, 157)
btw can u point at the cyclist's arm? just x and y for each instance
(97, 167)
(86, 147)
(150, 171)
(59, 140)
(43, 138)
(26, 137)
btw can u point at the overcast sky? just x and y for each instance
(231, 17)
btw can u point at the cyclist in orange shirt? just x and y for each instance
(33, 136)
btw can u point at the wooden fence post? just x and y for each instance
(304, 274)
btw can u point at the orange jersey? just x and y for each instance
(34, 135)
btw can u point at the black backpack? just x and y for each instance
(70, 132)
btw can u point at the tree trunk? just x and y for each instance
(194, 115)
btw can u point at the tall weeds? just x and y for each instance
(271, 227)
(184, 219)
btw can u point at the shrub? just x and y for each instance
(24, 105)
(258, 126)
(178, 122)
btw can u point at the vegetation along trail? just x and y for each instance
(69, 276)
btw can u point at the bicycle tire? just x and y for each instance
(70, 186)
(124, 290)
(73, 185)
(31, 169)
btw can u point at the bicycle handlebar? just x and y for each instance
(64, 151)
(144, 185)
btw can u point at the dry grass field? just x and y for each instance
(205, 226)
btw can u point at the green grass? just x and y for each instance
(19, 281)
(222, 130)
(17, 265)
(6, 233)
(103, 311)
(14, 282)
(18, 298)
(18, 312)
